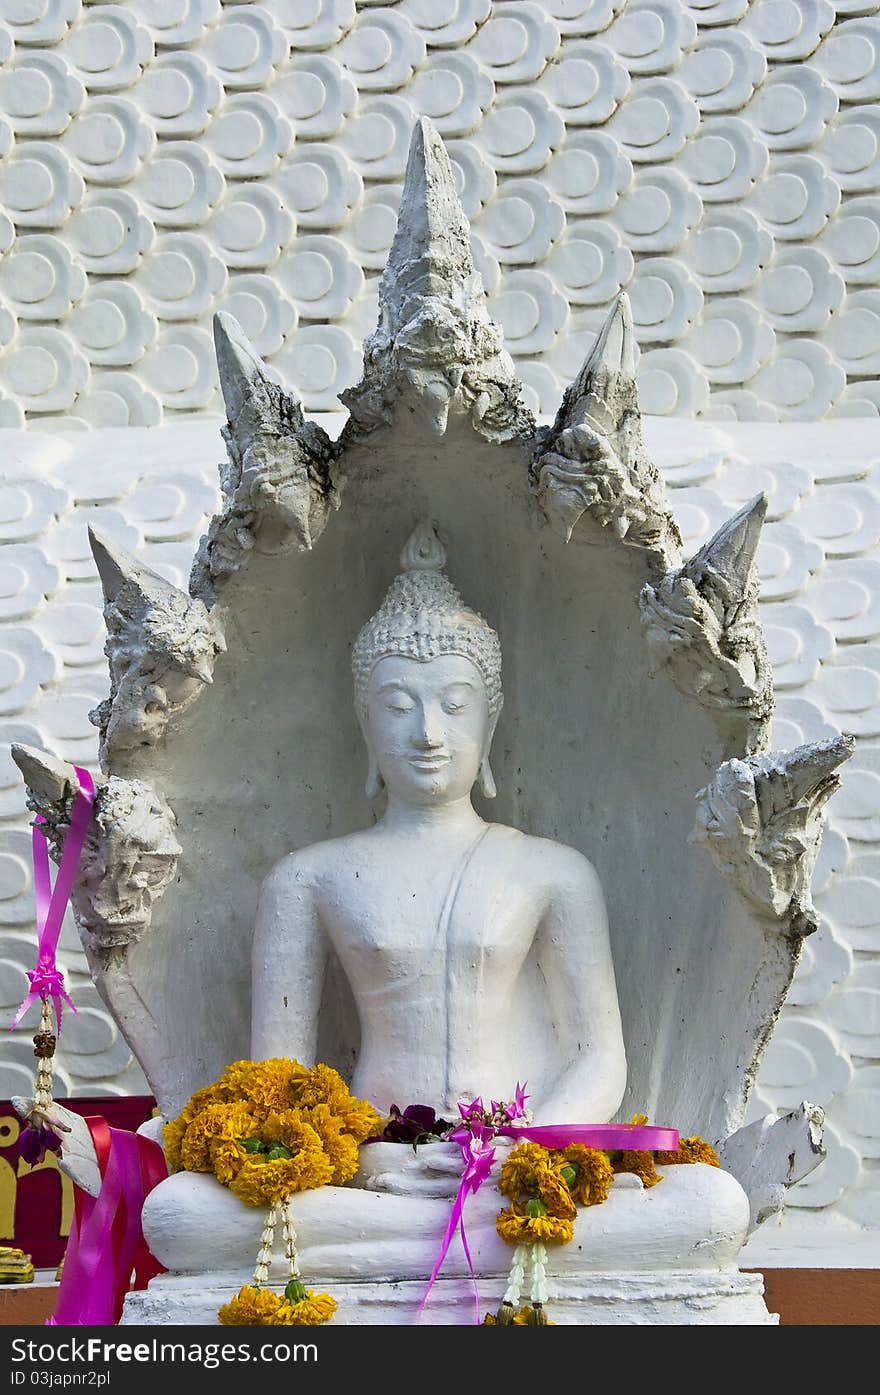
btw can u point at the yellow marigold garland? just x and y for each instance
(259, 1307)
(306, 1122)
(593, 1173)
(639, 1162)
(268, 1129)
(545, 1186)
(690, 1150)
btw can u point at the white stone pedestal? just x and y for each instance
(716, 1297)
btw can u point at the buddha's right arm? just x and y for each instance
(288, 961)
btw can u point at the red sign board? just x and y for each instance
(36, 1203)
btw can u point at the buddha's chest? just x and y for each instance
(418, 919)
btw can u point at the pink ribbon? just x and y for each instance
(474, 1136)
(643, 1138)
(46, 979)
(106, 1244)
(478, 1158)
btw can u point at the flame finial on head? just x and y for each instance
(423, 616)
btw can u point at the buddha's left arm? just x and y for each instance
(574, 958)
(288, 960)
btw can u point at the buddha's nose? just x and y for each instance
(431, 735)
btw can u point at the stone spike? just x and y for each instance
(432, 238)
(614, 349)
(608, 375)
(47, 776)
(435, 346)
(809, 767)
(731, 552)
(118, 568)
(243, 375)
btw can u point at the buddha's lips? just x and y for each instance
(429, 762)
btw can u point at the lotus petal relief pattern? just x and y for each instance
(752, 131)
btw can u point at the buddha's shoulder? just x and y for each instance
(312, 864)
(555, 864)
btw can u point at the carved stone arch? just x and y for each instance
(633, 681)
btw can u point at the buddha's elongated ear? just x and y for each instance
(485, 779)
(375, 784)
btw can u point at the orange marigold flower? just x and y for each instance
(594, 1175)
(641, 1163)
(691, 1150)
(315, 1308)
(172, 1137)
(260, 1180)
(252, 1307)
(217, 1121)
(260, 1307)
(341, 1148)
(513, 1227)
(230, 1128)
(209, 1094)
(522, 1168)
(324, 1085)
(555, 1195)
(526, 1317)
(269, 1084)
(227, 1156)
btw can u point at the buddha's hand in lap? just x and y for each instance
(431, 1170)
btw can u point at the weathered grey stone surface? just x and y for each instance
(277, 481)
(435, 347)
(702, 622)
(770, 1155)
(761, 822)
(161, 645)
(592, 460)
(129, 856)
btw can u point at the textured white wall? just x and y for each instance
(166, 158)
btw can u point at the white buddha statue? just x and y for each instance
(477, 956)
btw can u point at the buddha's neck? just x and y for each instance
(458, 816)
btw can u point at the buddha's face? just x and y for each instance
(428, 726)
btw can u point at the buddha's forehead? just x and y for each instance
(426, 677)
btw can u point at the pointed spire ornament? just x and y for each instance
(435, 347)
(244, 381)
(161, 644)
(119, 569)
(724, 569)
(430, 252)
(592, 459)
(606, 388)
(277, 481)
(702, 623)
(46, 777)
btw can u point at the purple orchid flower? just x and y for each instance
(517, 1109)
(481, 1133)
(478, 1168)
(474, 1129)
(35, 1143)
(413, 1124)
(474, 1110)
